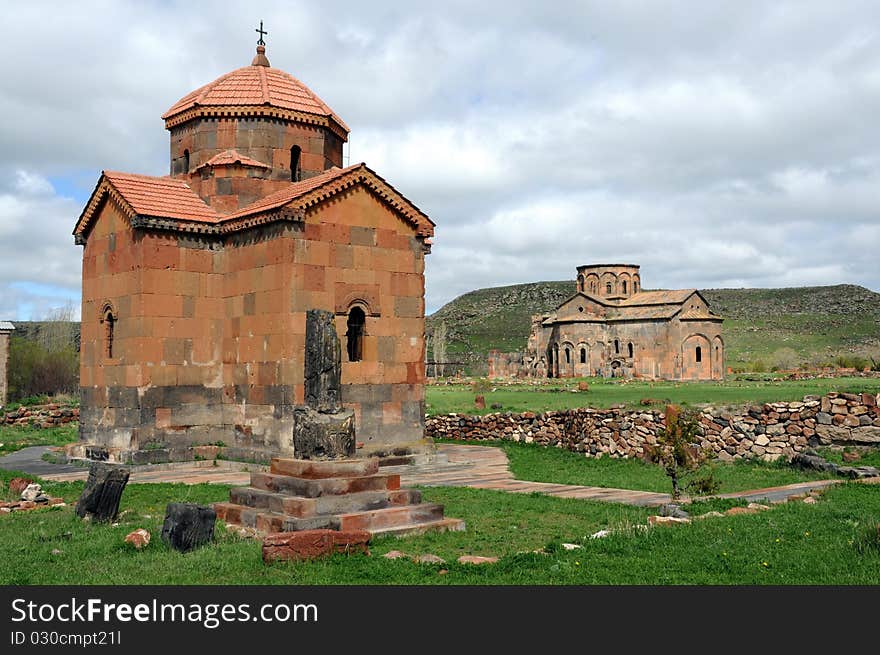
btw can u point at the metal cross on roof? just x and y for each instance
(262, 33)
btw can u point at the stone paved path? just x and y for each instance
(479, 467)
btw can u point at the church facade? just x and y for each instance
(195, 285)
(612, 328)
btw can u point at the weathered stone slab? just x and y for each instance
(324, 487)
(312, 469)
(312, 544)
(188, 526)
(103, 491)
(319, 435)
(323, 362)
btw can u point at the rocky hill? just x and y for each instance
(763, 327)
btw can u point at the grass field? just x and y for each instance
(459, 398)
(538, 464)
(826, 543)
(16, 438)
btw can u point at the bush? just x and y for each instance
(37, 371)
(677, 453)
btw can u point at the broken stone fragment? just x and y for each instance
(100, 497)
(312, 544)
(429, 558)
(188, 526)
(138, 538)
(476, 559)
(34, 493)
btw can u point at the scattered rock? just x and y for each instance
(188, 526)
(849, 457)
(56, 551)
(476, 559)
(480, 402)
(571, 546)
(809, 500)
(428, 558)
(758, 506)
(312, 544)
(17, 485)
(583, 386)
(34, 492)
(709, 515)
(666, 520)
(394, 554)
(672, 509)
(496, 406)
(600, 535)
(139, 538)
(735, 511)
(442, 571)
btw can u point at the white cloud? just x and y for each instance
(714, 145)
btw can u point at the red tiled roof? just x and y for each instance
(229, 157)
(310, 191)
(666, 297)
(255, 86)
(161, 196)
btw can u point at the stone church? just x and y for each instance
(612, 328)
(196, 285)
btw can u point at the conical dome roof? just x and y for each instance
(257, 89)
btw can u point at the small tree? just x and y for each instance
(439, 348)
(676, 451)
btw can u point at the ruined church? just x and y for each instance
(196, 285)
(611, 327)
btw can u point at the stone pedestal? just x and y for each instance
(344, 495)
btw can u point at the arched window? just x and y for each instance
(567, 356)
(635, 286)
(109, 321)
(699, 354)
(616, 347)
(624, 286)
(593, 287)
(607, 288)
(583, 355)
(295, 173)
(629, 349)
(186, 161)
(355, 334)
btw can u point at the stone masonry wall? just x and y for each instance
(768, 431)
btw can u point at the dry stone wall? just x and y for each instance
(768, 431)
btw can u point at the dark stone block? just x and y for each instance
(188, 526)
(367, 393)
(103, 491)
(323, 364)
(323, 436)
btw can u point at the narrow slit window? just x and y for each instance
(583, 355)
(295, 172)
(355, 334)
(608, 288)
(699, 354)
(624, 286)
(567, 356)
(186, 161)
(109, 327)
(616, 347)
(630, 350)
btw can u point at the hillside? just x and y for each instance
(763, 327)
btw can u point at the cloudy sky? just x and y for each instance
(717, 144)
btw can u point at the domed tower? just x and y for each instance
(249, 133)
(609, 281)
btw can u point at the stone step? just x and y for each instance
(317, 469)
(285, 484)
(390, 517)
(268, 522)
(301, 507)
(440, 525)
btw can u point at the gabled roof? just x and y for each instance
(230, 157)
(699, 315)
(664, 297)
(313, 190)
(6, 326)
(170, 204)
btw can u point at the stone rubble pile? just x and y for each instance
(767, 431)
(44, 416)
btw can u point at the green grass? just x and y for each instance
(539, 464)
(868, 457)
(15, 438)
(604, 393)
(826, 543)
